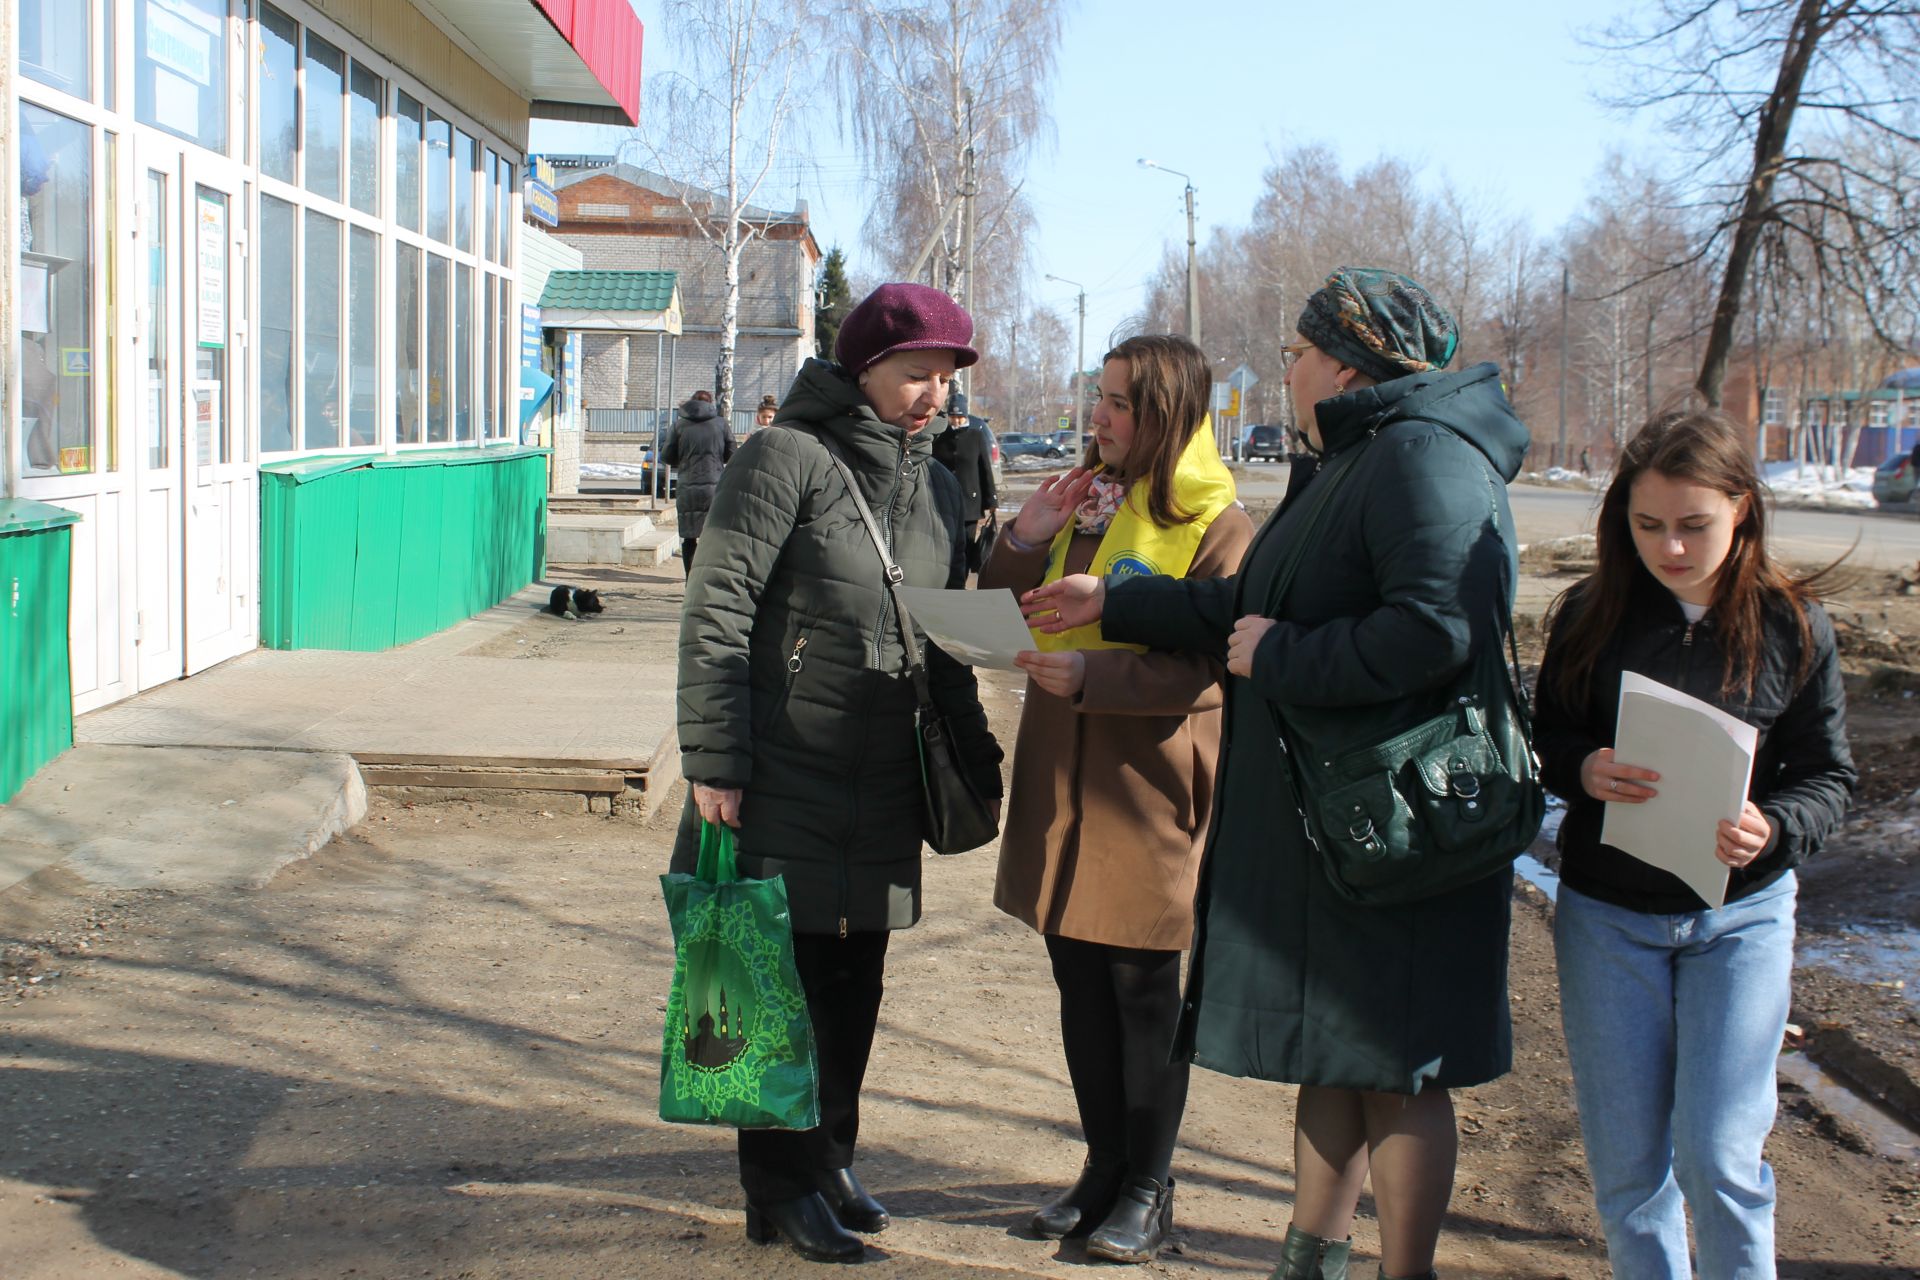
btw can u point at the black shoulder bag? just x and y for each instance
(1431, 807)
(959, 818)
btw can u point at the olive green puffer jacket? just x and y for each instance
(793, 680)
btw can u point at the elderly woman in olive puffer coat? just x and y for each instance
(797, 716)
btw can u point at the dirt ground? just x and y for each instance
(431, 1050)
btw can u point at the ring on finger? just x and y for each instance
(1613, 784)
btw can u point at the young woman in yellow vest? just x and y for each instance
(1113, 778)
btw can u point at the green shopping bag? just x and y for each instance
(738, 1047)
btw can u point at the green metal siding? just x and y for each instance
(36, 672)
(366, 554)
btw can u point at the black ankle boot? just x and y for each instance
(850, 1202)
(808, 1225)
(1309, 1257)
(1138, 1225)
(1084, 1205)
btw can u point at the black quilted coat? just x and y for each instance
(792, 675)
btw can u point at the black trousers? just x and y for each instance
(687, 546)
(1119, 1007)
(844, 979)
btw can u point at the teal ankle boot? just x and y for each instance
(1305, 1257)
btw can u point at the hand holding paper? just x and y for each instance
(979, 628)
(1704, 758)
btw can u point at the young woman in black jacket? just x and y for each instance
(1674, 1010)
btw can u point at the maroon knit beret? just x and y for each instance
(904, 317)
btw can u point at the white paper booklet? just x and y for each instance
(979, 628)
(1705, 760)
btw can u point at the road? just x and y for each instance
(1887, 540)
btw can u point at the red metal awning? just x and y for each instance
(572, 59)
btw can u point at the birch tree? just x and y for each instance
(717, 125)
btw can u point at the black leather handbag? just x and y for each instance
(1433, 805)
(959, 818)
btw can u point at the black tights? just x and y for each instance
(1118, 1010)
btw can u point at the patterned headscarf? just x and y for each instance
(1380, 323)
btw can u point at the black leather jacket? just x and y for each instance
(1803, 774)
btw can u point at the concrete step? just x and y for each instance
(126, 817)
(652, 549)
(595, 539)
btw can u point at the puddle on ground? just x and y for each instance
(1886, 956)
(1884, 1132)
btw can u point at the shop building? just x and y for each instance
(268, 250)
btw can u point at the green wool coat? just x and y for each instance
(793, 681)
(1412, 567)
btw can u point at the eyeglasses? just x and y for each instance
(1292, 352)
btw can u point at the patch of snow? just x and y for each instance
(1826, 485)
(611, 470)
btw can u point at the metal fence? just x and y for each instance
(643, 421)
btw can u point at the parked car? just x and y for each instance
(1894, 481)
(1024, 444)
(1262, 441)
(1069, 442)
(993, 451)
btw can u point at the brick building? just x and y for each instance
(621, 217)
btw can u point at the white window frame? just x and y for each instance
(391, 233)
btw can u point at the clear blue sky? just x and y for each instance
(1496, 94)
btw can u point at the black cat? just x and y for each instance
(574, 602)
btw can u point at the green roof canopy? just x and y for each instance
(610, 290)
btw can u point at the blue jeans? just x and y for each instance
(1673, 1024)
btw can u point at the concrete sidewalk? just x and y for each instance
(226, 776)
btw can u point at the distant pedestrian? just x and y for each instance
(765, 414)
(1674, 1010)
(962, 448)
(1586, 460)
(699, 447)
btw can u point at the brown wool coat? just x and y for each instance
(1112, 789)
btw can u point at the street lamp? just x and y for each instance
(1193, 273)
(1079, 363)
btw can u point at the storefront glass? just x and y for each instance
(407, 134)
(53, 46)
(363, 337)
(278, 255)
(180, 67)
(406, 321)
(363, 157)
(438, 384)
(55, 303)
(326, 83)
(320, 334)
(279, 94)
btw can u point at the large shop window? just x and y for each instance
(279, 95)
(180, 67)
(408, 131)
(326, 83)
(56, 293)
(439, 388)
(53, 46)
(363, 337)
(320, 340)
(363, 163)
(279, 262)
(408, 422)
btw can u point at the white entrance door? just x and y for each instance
(195, 491)
(220, 481)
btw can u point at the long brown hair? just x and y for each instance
(1703, 447)
(1168, 381)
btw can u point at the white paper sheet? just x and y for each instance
(979, 628)
(1704, 758)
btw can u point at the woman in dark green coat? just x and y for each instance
(1375, 1011)
(797, 716)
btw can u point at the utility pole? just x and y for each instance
(1561, 451)
(1079, 364)
(1013, 362)
(1193, 267)
(969, 189)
